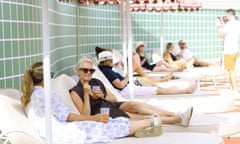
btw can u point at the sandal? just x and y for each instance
(154, 130)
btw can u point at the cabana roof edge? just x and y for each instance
(150, 5)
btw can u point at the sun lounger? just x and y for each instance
(219, 124)
(173, 138)
(17, 129)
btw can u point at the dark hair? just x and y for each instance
(232, 11)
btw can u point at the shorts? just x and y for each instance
(139, 91)
(230, 61)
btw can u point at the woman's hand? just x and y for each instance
(104, 118)
(86, 89)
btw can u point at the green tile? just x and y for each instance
(14, 29)
(15, 48)
(13, 12)
(9, 83)
(1, 50)
(1, 30)
(8, 67)
(16, 67)
(7, 28)
(6, 11)
(20, 12)
(8, 49)
(2, 84)
(17, 81)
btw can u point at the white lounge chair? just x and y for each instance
(16, 128)
(224, 124)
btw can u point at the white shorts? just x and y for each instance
(139, 91)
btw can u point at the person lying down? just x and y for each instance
(89, 100)
(120, 83)
(137, 68)
(69, 127)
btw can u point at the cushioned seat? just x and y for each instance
(14, 123)
(61, 84)
(173, 138)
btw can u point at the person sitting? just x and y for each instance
(121, 83)
(185, 53)
(89, 103)
(160, 66)
(70, 126)
(137, 68)
(172, 59)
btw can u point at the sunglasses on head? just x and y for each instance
(86, 70)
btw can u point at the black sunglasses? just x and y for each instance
(86, 70)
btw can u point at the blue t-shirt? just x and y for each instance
(110, 74)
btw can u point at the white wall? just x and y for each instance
(221, 4)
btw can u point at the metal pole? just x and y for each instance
(124, 36)
(46, 65)
(161, 37)
(129, 38)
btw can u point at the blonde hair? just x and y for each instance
(81, 61)
(31, 77)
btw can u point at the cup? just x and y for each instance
(94, 91)
(105, 110)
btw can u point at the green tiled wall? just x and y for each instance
(75, 30)
(197, 28)
(20, 39)
(99, 25)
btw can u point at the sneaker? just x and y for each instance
(186, 116)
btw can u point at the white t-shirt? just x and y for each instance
(232, 33)
(187, 54)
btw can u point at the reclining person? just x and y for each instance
(88, 103)
(185, 53)
(172, 59)
(70, 126)
(160, 66)
(137, 68)
(121, 83)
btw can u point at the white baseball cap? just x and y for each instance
(105, 55)
(140, 43)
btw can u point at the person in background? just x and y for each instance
(69, 126)
(119, 82)
(186, 54)
(170, 57)
(230, 32)
(160, 66)
(137, 68)
(88, 104)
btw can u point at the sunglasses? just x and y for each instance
(86, 70)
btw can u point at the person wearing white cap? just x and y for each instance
(160, 66)
(88, 104)
(121, 83)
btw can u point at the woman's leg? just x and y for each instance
(139, 124)
(144, 109)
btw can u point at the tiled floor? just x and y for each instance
(223, 84)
